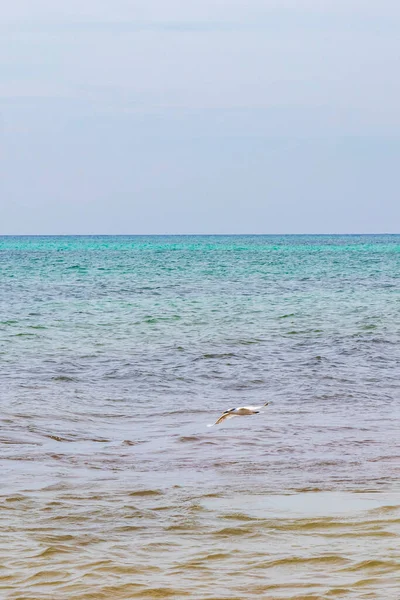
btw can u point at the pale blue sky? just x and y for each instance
(211, 116)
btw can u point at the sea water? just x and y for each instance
(115, 354)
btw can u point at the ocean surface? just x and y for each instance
(115, 354)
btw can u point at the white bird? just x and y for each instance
(241, 411)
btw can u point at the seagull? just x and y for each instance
(241, 411)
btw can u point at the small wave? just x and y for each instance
(146, 493)
(365, 582)
(57, 438)
(64, 378)
(309, 489)
(376, 564)
(128, 528)
(339, 591)
(198, 562)
(152, 320)
(385, 509)
(17, 498)
(215, 356)
(187, 526)
(300, 560)
(212, 495)
(25, 335)
(52, 550)
(234, 531)
(309, 525)
(239, 517)
(48, 575)
(155, 593)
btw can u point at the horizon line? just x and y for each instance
(187, 234)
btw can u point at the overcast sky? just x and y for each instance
(199, 116)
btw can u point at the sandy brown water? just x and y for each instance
(284, 505)
(112, 363)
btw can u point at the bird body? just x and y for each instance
(240, 411)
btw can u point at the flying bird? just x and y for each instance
(241, 411)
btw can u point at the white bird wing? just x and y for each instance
(223, 417)
(253, 407)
